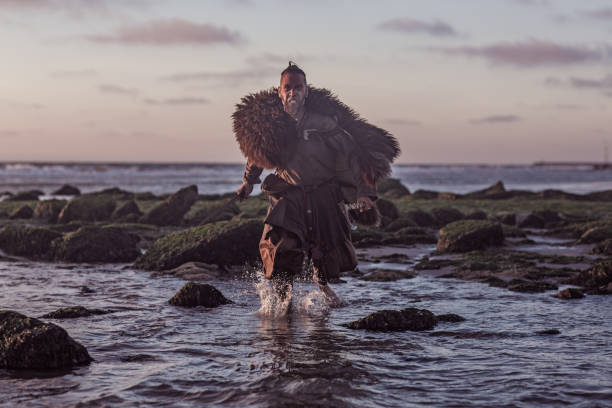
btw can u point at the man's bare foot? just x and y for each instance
(332, 299)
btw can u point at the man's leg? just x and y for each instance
(323, 267)
(282, 258)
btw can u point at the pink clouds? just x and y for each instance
(187, 100)
(531, 53)
(407, 25)
(169, 32)
(118, 90)
(600, 14)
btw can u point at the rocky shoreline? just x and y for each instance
(491, 236)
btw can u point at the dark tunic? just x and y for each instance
(321, 175)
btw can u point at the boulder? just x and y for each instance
(570, 293)
(506, 218)
(421, 218)
(450, 318)
(387, 209)
(129, 211)
(49, 210)
(446, 215)
(114, 192)
(31, 242)
(409, 236)
(196, 271)
(518, 285)
(221, 243)
(24, 212)
(476, 215)
(28, 343)
(197, 294)
(31, 195)
(597, 276)
(88, 207)
(596, 234)
(469, 235)
(213, 213)
(172, 209)
(396, 320)
(387, 275)
(74, 312)
(96, 244)
(494, 190)
(532, 221)
(400, 223)
(604, 247)
(392, 188)
(67, 190)
(364, 237)
(513, 232)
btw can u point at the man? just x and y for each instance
(324, 155)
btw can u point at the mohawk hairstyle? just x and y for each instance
(292, 68)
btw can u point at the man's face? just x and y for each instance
(293, 92)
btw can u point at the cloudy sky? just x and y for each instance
(470, 81)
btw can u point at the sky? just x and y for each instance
(470, 81)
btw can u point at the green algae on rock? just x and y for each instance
(96, 244)
(468, 235)
(197, 294)
(221, 243)
(172, 210)
(392, 188)
(31, 242)
(28, 343)
(89, 207)
(49, 210)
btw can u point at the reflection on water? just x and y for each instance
(149, 353)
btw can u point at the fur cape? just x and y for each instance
(267, 134)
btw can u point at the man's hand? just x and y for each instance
(245, 190)
(364, 203)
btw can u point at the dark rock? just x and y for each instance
(518, 285)
(96, 244)
(399, 224)
(364, 237)
(31, 195)
(532, 221)
(548, 332)
(172, 210)
(476, 215)
(605, 195)
(31, 242)
(549, 216)
(146, 196)
(444, 216)
(214, 213)
(469, 235)
(409, 236)
(604, 247)
(387, 209)
(551, 194)
(434, 264)
(114, 192)
(67, 190)
(570, 293)
(129, 208)
(28, 343)
(494, 190)
(507, 218)
(197, 294)
(396, 320)
(137, 358)
(386, 275)
(49, 210)
(596, 234)
(421, 218)
(597, 276)
(198, 271)
(222, 243)
(450, 317)
(74, 312)
(392, 188)
(87, 207)
(86, 290)
(513, 232)
(24, 212)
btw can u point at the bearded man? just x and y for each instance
(324, 156)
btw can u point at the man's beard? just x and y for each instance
(292, 106)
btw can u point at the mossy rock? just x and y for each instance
(49, 210)
(212, 212)
(127, 211)
(28, 343)
(476, 215)
(596, 234)
(507, 218)
(387, 209)
(596, 276)
(364, 237)
(221, 243)
(402, 222)
(513, 232)
(31, 242)
(409, 236)
(74, 312)
(172, 210)
(24, 212)
(392, 188)
(420, 218)
(469, 235)
(446, 215)
(31, 195)
(491, 191)
(67, 190)
(604, 247)
(89, 207)
(96, 244)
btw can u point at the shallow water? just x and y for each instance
(149, 353)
